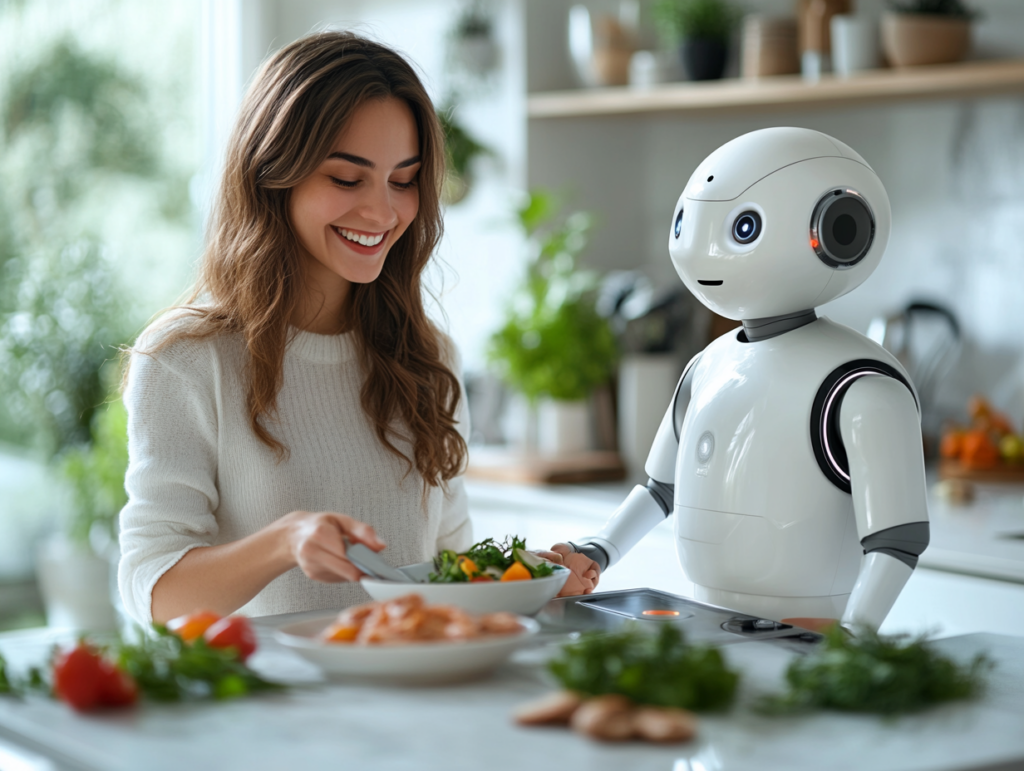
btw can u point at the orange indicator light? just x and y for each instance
(660, 613)
(814, 243)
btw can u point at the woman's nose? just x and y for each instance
(376, 205)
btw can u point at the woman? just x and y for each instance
(302, 397)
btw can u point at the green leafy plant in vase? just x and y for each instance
(702, 28)
(554, 346)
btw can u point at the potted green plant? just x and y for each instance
(920, 32)
(472, 39)
(703, 28)
(75, 571)
(555, 349)
(461, 150)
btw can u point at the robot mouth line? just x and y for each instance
(719, 282)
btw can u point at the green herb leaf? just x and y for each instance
(660, 669)
(875, 673)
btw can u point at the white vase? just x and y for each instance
(76, 586)
(564, 427)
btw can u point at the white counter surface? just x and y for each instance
(467, 727)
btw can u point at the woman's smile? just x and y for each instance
(360, 241)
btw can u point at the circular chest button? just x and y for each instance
(705, 447)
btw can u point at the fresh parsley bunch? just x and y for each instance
(875, 673)
(659, 669)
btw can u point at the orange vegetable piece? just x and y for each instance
(979, 451)
(517, 572)
(341, 633)
(468, 566)
(952, 444)
(481, 579)
(193, 626)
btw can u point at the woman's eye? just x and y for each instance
(344, 182)
(405, 185)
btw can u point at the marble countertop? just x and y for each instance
(466, 727)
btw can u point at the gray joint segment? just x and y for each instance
(594, 552)
(773, 326)
(903, 542)
(681, 399)
(663, 494)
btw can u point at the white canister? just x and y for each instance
(855, 44)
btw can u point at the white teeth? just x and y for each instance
(359, 238)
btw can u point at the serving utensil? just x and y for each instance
(374, 565)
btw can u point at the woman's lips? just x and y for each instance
(359, 248)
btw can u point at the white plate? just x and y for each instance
(413, 663)
(522, 597)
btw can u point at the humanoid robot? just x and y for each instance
(791, 453)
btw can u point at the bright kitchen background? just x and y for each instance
(952, 169)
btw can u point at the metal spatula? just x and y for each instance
(373, 564)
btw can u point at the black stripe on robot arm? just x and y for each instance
(826, 438)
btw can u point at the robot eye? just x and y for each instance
(746, 227)
(678, 227)
(842, 228)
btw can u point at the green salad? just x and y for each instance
(490, 561)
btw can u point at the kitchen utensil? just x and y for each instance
(411, 663)
(374, 565)
(926, 339)
(523, 597)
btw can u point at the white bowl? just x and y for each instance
(522, 597)
(403, 663)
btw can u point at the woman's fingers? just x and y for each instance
(355, 530)
(317, 542)
(324, 564)
(550, 556)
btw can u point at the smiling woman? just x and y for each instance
(301, 400)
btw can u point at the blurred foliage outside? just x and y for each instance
(98, 144)
(554, 342)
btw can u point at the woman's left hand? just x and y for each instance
(585, 572)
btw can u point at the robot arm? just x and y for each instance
(882, 433)
(644, 507)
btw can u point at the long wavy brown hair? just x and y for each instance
(252, 268)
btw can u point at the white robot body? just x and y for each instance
(746, 541)
(791, 455)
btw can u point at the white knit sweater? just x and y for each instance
(198, 476)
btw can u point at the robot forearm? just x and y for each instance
(880, 582)
(643, 508)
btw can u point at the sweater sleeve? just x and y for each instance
(456, 530)
(172, 468)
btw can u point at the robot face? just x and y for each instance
(778, 221)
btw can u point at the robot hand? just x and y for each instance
(585, 572)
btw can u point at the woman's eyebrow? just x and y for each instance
(360, 161)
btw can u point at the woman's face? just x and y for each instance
(350, 211)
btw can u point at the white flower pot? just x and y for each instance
(564, 428)
(76, 586)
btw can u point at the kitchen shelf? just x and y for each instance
(966, 79)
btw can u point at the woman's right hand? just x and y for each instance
(316, 543)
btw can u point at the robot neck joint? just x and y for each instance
(773, 326)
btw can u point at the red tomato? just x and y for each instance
(232, 632)
(116, 688)
(481, 580)
(194, 625)
(76, 677)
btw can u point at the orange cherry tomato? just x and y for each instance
(341, 633)
(517, 572)
(979, 451)
(191, 627)
(232, 632)
(481, 579)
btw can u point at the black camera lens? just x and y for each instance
(747, 227)
(842, 229)
(678, 228)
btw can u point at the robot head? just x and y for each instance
(778, 221)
